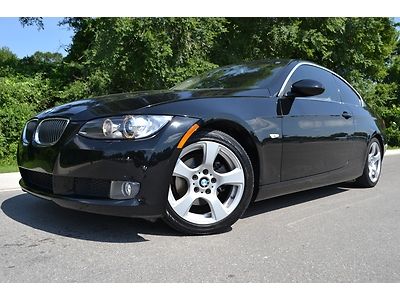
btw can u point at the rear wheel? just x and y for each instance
(211, 186)
(373, 165)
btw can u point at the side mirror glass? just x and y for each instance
(306, 88)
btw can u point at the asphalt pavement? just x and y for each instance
(332, 234)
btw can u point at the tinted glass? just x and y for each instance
(346, 93)
(310, 72)
(250, 75)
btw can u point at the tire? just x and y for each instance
(211, 186)
(373, 165)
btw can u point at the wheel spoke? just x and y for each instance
(373, 149)
(218, 210)
(210, 153)
(183, 205)
(374, 162)
(234, 177)
(182, 170)
(377, 156)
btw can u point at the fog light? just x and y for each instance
(124, 189)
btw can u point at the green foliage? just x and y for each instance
(29, 21)
(8, 61)
(19, 89)
(392, 119)
(40, 62)
(342, 44)
(74, 91)
(129, 54)
(20, 98)
(110, 55)
(6, 167)
(12, 117)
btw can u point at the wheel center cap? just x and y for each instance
(204, 182)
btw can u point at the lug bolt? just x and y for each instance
(195, 177)
(213, 180)
(205, 171)
(208, 191)
(196, 189)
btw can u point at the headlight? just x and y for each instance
(125, 127)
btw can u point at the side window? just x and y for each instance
(310, 72)
(347, 94)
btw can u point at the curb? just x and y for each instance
(392, 152)
(10, 181)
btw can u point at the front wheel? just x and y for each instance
(373, 165)
(211, 186)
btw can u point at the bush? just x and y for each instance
(12, 120)
(20, 99)
(36, 90)
(74, 91)
(382, 99)
(392, 119)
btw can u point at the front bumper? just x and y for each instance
(76, 172)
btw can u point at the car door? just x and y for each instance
(316, 130)
(352, 102)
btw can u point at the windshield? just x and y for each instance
(243, 76)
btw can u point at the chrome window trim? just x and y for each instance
(36, 134)
(280, 93)
(318, 99)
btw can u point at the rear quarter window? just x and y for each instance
(347, 94)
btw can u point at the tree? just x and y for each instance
(8, 61)
(29, 21)
(126, 54)
(342, 44)
(109, 55)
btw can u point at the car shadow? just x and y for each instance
(47, 216)
(272, 204)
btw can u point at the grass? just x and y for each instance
(7, 168)
(393, 147)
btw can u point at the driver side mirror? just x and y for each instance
(306, 88)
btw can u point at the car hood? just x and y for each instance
(119, 104)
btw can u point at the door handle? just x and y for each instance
(346, 115)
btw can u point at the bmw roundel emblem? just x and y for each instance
(204, 182)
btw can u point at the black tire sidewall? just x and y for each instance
(173, 219)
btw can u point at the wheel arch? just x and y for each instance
(244, 138)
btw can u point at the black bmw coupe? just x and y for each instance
(198, 154)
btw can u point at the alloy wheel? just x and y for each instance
(207, 184)
(374, 162)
